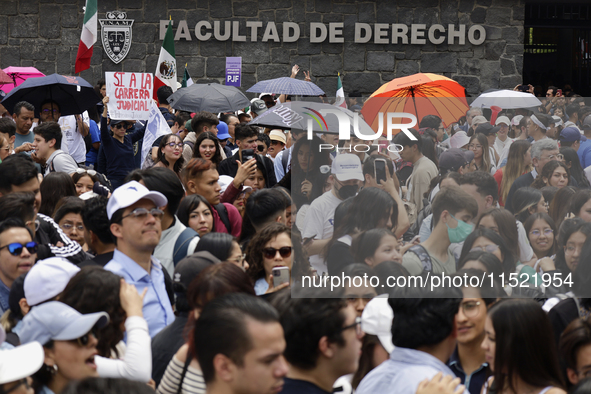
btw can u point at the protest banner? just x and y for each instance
(130, 95)
(155, 128)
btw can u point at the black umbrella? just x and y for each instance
(211, 97)
(73, 94)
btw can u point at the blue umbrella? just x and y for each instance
(73, 94)
(286, 85)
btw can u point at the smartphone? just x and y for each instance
(247, 154)
(380, 170)
(280, 275)
(559, 92)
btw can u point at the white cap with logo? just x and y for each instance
(128, 194)
(347, 166)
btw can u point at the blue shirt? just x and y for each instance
(475, 380)
(402, 373)
(157, 309)
(95, 136)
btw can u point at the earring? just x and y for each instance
(50, 369)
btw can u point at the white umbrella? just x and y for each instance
(506, 99)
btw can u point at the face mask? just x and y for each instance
(347, 191)
(460, 233)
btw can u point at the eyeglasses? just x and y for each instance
(16, 249)
(47, 111)
(142, 213)
(557, 157)
(21, 382)
(83, 171)
(269, 253)
(487, 248)
(260, 148)
(537, 233)
(356, 325)
(175, 144)
(470, 308)
(70, 226)
(119, 126)
(84, 340)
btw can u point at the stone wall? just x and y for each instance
(45, 34)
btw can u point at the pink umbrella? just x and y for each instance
(19, 75)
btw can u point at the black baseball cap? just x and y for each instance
(454, 158)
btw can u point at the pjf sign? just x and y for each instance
(130, 95)
(233, 71)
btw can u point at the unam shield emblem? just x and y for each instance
(116, 35)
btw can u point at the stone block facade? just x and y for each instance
(45, 34)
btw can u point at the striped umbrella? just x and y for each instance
(420, 95)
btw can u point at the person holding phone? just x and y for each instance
(268, 249)
(246, 139)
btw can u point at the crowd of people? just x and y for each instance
(196, 269)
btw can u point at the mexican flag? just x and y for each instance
(187, 81)
(166, 68)
(340, 101)
(87, 38)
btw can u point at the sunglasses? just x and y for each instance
(84, 340)
(119, 126)
(83, 171)
(21, 382)
(270, 253)
(16, 249)
(142, 213)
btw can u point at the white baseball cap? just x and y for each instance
(478, 120)
(128, 194)
(516, 119)
(376, 319)
(459, 139)
(47, 279)
(347, 166)
(20, 362)
(502, 119)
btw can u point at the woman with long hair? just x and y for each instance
(571, 237)
(518, 163)
(170, 153)
(196, 212)
(554, 173)
(55, 186)
(520, 350)
(571, 159)
(84, 180)
(541, 232)
(560, 206)
(307, 164)
(526, 201)
(269, 248)
(504, 223)
(486, 240)
(482, 160)
(208, 147)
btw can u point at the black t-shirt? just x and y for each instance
(295, 386)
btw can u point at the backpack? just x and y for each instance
(423, 255)
(223, 212)
(182, 244)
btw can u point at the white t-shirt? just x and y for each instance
(72, 140)
(320, 224)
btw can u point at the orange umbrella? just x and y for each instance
(420, 95)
